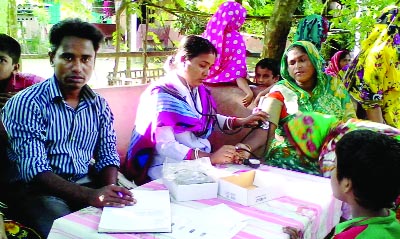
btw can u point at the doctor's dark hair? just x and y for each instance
(11, 47)
(77, 28)
(372, 162)
(191, 46)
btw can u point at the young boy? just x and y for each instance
(266, 74)
(366, 177)
(11, 81)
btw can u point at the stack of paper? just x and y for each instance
(219, 221)
(151, 213)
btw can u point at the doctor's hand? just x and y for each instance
(252, 120)
(243, 151)
(224, 155)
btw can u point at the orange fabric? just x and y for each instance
(278, 95)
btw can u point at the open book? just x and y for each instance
(151, 213)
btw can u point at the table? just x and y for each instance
(310, 206)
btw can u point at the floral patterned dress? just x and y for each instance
(373, 78)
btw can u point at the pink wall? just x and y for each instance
(123, 102)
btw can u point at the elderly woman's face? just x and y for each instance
(300, 67)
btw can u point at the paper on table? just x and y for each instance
(218, 221)
(151, 213)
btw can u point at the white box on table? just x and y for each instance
(251, 187)
(199, 169)
(191, 191)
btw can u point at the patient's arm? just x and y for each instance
(260, 139)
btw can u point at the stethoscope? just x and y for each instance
(253, 163)
(212, 109)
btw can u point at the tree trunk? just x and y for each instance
(278, 28)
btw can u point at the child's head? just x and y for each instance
(367, 169)
(266, 72)
(10, 52)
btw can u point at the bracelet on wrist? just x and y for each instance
(229, 123)
(233, 122)
(248, 146)
(196, 153)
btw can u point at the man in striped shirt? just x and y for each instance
(55, 128)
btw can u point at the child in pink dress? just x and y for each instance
(223, 32)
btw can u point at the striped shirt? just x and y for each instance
(46, 134)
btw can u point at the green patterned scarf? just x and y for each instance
(307, 132)
(315, 57)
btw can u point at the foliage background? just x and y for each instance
(346, 18)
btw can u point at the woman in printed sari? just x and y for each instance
(223, 32)
(338, 64)
(177, 114)
(373, 78)
(305, 87)
(315, 136)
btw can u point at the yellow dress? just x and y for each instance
(373, 78)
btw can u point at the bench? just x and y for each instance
(124, 100)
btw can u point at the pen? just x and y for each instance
(120, 194)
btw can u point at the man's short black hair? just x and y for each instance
(75, 27)
(270, 64)
(371, 161)
(11, 47)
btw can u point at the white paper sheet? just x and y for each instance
(218, 221)
(151, 213)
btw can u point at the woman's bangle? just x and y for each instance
(248, 146)
(229, 123)
(233, 122)
(196, 153)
